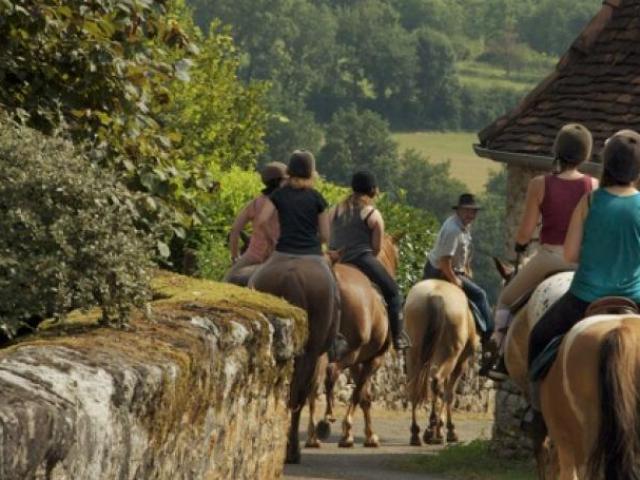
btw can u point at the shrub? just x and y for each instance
(68, 235)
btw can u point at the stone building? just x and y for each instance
(596, 83)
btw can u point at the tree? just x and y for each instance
(437, 82)
(359, 140)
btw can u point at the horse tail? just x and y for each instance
(618, 441)
(436, 320)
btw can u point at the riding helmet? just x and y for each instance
(573, 144)
(622, 156)
(273, 171)
(364, 182)
(302, 164)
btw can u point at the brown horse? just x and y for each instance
(365, 325)
(308, 284)
(591, 399)
(443, 334)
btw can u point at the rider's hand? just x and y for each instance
(458, 282)
(520, 247)
(334, 255)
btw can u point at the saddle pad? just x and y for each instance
(542, 363)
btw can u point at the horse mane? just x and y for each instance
(388, 255)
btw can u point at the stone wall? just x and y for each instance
(195, 388)
(475, 394)
(508, 440)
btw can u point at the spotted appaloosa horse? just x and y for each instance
(308, 284)
(365, 325)
(443, 334)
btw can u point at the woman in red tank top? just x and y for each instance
(550, 201)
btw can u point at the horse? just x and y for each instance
(365, 325)
(516, 350)
(443, 333)
(304, 283)
(591, 399)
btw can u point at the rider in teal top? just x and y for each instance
(604, 238)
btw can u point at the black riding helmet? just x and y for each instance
(364, 182)
(622, 156)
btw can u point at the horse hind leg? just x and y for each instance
(323, 429)
(312, 437)
(433, 435)
(450, 391)
(366, 373)
(347, 440)
(293, 442)
(415, 429)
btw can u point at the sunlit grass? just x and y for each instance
(456, 147)
(472, 461)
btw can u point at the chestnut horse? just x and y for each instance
(308, 284)
(365, 325)
(443, 334)
(591, 399)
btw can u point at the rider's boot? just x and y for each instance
(533, 423)
(399, 336)
(489, 356)
(498, 372)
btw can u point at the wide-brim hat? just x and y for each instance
(467, 200)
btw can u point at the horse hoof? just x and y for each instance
(372, 442)
(452, 437)
(346, 443)
(293, 458)
(312, 444)
(436, 441)
(323, 429)
(415, 441)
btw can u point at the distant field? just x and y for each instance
(485, 76)
(453, 146)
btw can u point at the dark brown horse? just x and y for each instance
(365, 325)
(308, 284)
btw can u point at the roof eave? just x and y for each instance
(527, 160)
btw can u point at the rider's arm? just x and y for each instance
(324, 226)
(376, 223)
(531, 215)
(573, 240)
(238, 225)
(446, 267)
(267, 210)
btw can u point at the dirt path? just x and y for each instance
(384, 463)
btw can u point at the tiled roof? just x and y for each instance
(596, 83)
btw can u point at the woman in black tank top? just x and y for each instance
(357, 230)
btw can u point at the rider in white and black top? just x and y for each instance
(357, 231)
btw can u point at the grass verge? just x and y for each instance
(471, 461)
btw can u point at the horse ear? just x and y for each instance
(505, 270)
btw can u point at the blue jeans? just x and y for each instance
(474, 293)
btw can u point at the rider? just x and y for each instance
(604, 238)
(262, 240)
(304, 225)
(357, 232)
(449, 259)
(551, 199)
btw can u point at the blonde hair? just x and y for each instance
(300, 183)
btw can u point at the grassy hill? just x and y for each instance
(455, 147)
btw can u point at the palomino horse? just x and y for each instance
(591, 399)
(365, 325)
(306, 283)
(443, 334)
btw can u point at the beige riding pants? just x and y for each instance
(548, 259)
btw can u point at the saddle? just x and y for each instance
(606, 305)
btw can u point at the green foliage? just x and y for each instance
(69, 239)
(429, 186)
(98, 71)
(489, 234)
(220, 121)
(471, 461)
(358, 140)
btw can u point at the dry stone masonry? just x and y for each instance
(197, 390)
